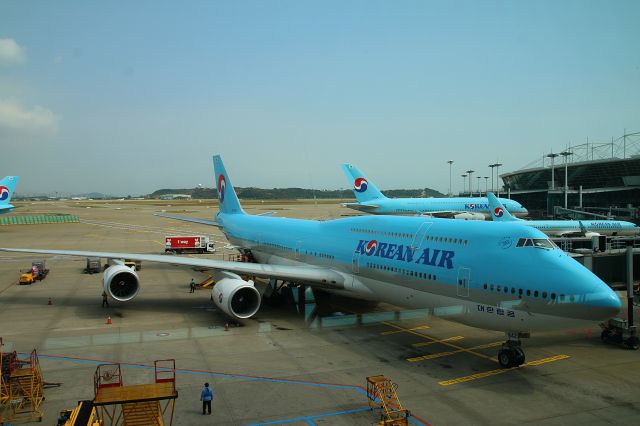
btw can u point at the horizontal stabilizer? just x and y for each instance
(358, 206)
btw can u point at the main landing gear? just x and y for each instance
(511, 353)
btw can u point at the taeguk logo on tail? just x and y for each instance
(360, 184)
(498, 212)
(222, 186)
(4, 193)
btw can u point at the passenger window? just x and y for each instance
(535, 293)
(528, 292)
(544, 294)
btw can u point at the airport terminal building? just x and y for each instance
(597, 177)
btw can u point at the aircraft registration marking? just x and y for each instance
(442, 342)
(496, 372)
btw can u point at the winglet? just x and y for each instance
(363, 189)
(498, 212)
(227, 197)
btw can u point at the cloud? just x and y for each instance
(10, 52)
(16, 120)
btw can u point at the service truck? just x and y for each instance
(188, 244)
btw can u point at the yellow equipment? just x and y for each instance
(136, 405)
(27, 278)
(84, 414)
(382, 395)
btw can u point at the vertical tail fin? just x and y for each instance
(498, 212)
(229, 202)
(7, 185)
(363, 188)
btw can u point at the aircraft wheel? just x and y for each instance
(505, 358)
(519, 356)
(605, 335)
(632, 343)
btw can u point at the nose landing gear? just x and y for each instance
(511, 353)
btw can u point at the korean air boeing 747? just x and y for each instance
(7, 185)
(565, 228)
(473, 272)
(369, 199)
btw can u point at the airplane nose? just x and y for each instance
(603, 305)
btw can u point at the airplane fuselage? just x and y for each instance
(603, 227)
(471, 272)
(410, 206)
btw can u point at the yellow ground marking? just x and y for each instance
(448, 339)
(420, 327)
(442, 342)
(448, 353)
(501, 370)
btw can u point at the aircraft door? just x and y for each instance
(464, 277)
(355, 262)
(418, 238)
(298, 246)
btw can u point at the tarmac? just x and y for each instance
(274, 368)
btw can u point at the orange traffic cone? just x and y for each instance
(226, 326)
(49, 302)
(109, 320)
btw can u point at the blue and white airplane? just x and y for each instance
(7, 186)
(369, 199)
(565, 228)
(473, 272)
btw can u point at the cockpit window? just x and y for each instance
(536, 242)
(542, 242)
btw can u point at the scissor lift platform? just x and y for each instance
(132, 405)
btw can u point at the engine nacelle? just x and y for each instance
(237, 298)
(470, 216)
(121, 282)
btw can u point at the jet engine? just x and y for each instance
(121, 282)
(470, 216)
(236, 297)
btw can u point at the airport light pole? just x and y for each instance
(464, 183)
(492, 166)
(565, 154)
(553, 176)
(486, 183)
(469, 173)
(497, 176)
(450, 163)
(479, 192)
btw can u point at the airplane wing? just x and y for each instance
(315, 276)
(190, 219)
(358, 206)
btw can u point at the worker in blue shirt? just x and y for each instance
(206, 396)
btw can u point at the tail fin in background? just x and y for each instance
(498, 212)
(227, 197)
(7, 185)
(363, 188)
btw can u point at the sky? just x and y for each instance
(125, 97)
